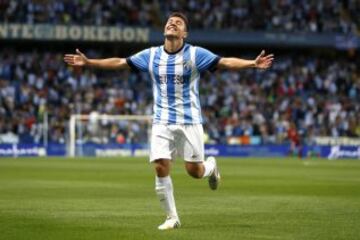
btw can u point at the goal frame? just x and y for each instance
(85, 117)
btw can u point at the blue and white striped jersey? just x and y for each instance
(175, 78)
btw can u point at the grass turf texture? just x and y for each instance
(94, 198)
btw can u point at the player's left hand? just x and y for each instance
(262, 61)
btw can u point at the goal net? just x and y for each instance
(108, 135)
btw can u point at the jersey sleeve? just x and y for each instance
(205, 60)
(139, 61)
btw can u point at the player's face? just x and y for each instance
(175, 27)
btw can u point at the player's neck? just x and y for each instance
(173, 45)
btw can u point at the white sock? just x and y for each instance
(209, 168)
(164, 190)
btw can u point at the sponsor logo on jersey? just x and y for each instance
(177, 79)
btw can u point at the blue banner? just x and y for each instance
(19, 150)
(247, 150)
(111, 149)
(335, 152)
(102, 150)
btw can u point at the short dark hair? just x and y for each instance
(182, 16)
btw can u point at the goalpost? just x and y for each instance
(99, 125)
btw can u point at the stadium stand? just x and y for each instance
(320, 95)
(265, 15)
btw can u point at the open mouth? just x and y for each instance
(172, 28)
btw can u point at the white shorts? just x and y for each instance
(171, 141)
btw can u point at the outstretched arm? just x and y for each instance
(261, 61)
(80, 59)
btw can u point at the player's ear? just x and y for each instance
(185, 35)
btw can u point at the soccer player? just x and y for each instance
(174, 69)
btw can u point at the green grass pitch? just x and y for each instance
(114, 198)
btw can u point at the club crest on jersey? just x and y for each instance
(178, 79)
(163, 79)
(187, 64)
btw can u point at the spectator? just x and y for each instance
(286, 16)
(318, 94)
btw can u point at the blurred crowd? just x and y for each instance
(244, 15)
(316, 96)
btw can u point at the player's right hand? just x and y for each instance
(78, 59)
